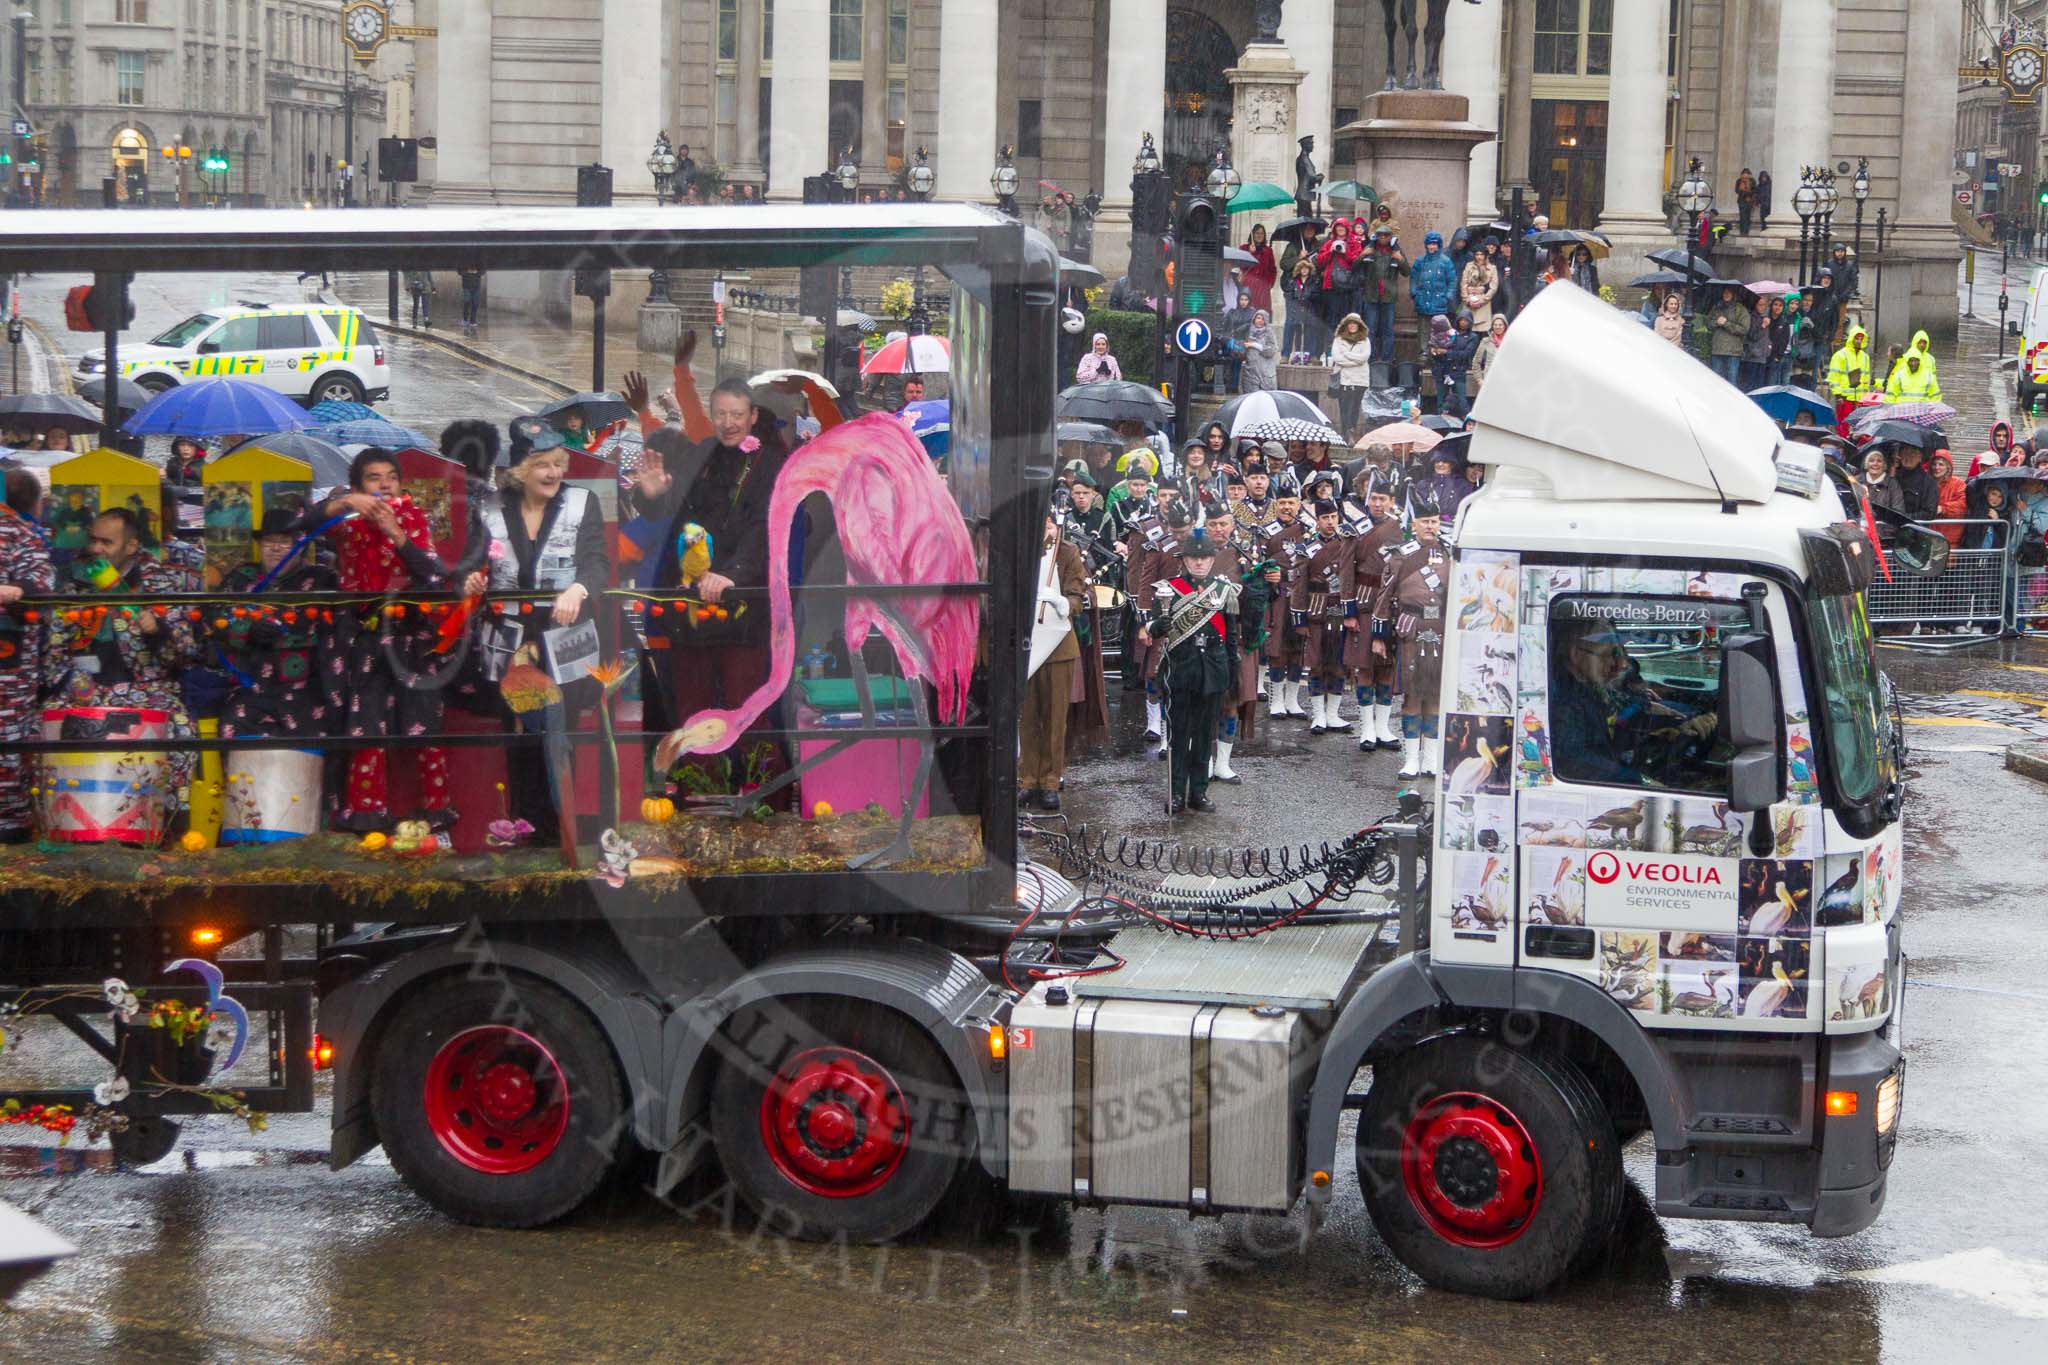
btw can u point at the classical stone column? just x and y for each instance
(1472, 69)
(874, 93)
(746, 158)
(1134, 104)
(1925, 237)
(1308, 28)
(1264, 125)
(462, 102)
(1515, 136)
(1803, 120)
(802, 93)
(1637, 95)
(636, 86)
(965, 149)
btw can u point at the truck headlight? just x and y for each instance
(1888, 1094)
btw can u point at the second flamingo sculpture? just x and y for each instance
(897, 525)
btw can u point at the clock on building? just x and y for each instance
(2021, 71)
(366, 24)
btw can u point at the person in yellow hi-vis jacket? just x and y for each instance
(1849, 369)
(1913, 380)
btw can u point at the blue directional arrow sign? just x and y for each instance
(1192, 337)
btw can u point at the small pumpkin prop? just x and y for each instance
(375, 841)
(193, 842)
(657, 810)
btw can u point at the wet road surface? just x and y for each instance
(242, 1247)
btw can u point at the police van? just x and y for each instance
(314, 352)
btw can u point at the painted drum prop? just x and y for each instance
(98, 797)
(272, 795)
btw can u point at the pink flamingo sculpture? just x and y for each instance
(897, 524)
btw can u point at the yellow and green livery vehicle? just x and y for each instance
(313, 352)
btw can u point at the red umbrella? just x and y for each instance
(911, 355)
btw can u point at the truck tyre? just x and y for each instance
(499, 1102)
(335, 387)
(838, 1119)
(1488, 1170)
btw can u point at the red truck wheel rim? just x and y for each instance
(1471, 1170)
(835, 1123)
(496, 1100)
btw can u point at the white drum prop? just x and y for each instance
(104, 796)
(271, 795)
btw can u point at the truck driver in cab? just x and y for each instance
(1616, 727)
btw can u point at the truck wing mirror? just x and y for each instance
(1749, 722)
(1919, 550)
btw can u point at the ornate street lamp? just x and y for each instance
(1003, 180)
(1147, 162)
(847, 173)
(1224, 181)
(1860, 187)
(661, 164)
(1806, 203)
(922, 179)
(1695, 196)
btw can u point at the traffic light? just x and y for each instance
(2041, 194)
(398, 159)
(1198, 257)
(816, 290)
(90, 308)
(1151, 215)
(594, 186)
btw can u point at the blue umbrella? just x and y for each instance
(931, 422)
(1785, 402)
(334, 410)
(216, 407)
(373, 431)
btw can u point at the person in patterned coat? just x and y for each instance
(277, 660)
(24, 572)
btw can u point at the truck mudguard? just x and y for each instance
(609, 988)
(1414, 984)
(941, 992)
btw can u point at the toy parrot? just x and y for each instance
(693, 552)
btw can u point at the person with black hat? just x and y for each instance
(1372, 675)
(1151, 553)
(1324, 609)
(1194, 622)
(1237, 561)
(1408, 626)
(1281, 540)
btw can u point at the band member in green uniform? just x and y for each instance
(1194, 619)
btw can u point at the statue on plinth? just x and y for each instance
(1266, 16)
(1307, 179)
(1432, 28)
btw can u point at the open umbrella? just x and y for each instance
(1239, 256)
(1268, 405)
(854, 318)
(1290, 229)
(1697, 264)
(1905, 434)
(1786, 402)
(1079, 274)
(1290, 429)
(41, 411)
(1920, 413)
(1259, 194)
(1763, 289)
(1091, 433)
(1440, 424)
(1351, 191)
(216, 407)
(1568, 238)
(339, 410)
(1722, 282)
(1114, 400)
(1411, 434)
(1657, 277)
(327, 458)
(599, 409)
(128, 395)
(372, 431)
(2009, 475)
(911, 355)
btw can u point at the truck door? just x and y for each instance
(1632, 869)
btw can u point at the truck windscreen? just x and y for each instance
(1850, 696)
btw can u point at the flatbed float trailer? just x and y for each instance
(1697, 940)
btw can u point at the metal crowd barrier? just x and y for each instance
(1969, 602)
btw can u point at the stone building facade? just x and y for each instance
(111, 83)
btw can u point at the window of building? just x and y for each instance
(131, 11)
(899, 107)
(1030, 128)
(728, 30)
(234, 87)
(34, 77)
(128, 68)
(1574, 37)
(846, 19)
(767, 30)
(1635, 690)
(899, 32)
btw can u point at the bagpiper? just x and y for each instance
(1376, 535)
(1324, 608)
(1237, 560)
(1408, 619)
(1281, 539)
(1194, 619)
(1151, 554)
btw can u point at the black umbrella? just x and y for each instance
(1093, 433)
(128, 395)
(2013, 474)
(1655, 278)
(329, 461)
(1290, 230)
(598, 409)
(1114, 400)
(1721, 282)
(1906, 434)
(41, 411)
(1677, 258)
